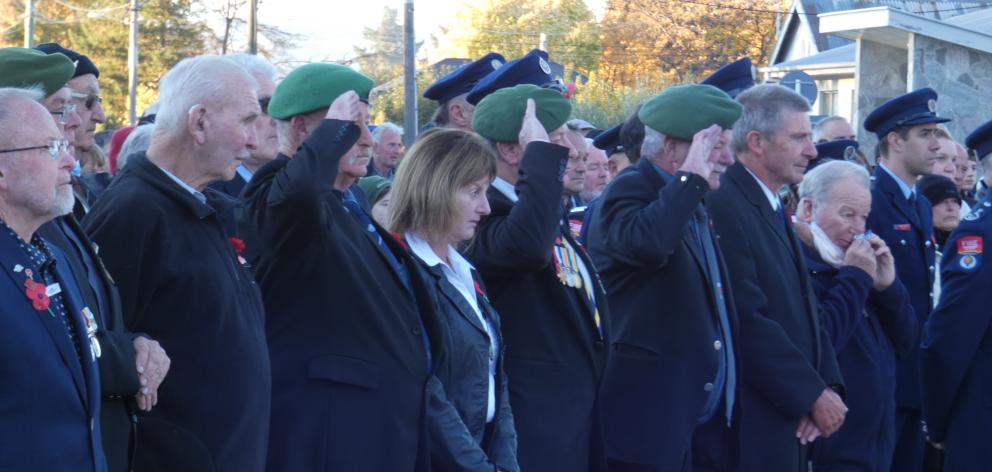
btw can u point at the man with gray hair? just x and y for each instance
(49, 377)
(832, 128)
(387, 146)
(864, 308)
(790, 389)
(181, 280)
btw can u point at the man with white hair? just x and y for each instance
(49, 378)
(180, 279)
(791, 384)
(387, 146)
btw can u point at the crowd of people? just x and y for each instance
(254, 277)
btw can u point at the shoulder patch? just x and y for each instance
(970, 245)
(968, 262)
(975, 214)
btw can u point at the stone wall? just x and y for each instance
(881, 74)
(962, 78)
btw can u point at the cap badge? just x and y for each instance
(496, 64)
(932, 105)
(544, 65)
(849, 153)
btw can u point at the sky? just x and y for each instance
(329, 29)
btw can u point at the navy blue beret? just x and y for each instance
(918, 107)
(609, 140)
(732, 78)
(530, 69)
(462, 79)
(981, 139)
(836, 150)
(83, 64)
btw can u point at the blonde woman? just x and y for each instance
(438, 198)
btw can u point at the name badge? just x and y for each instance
(53, 289)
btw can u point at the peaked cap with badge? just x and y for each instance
(461, 80)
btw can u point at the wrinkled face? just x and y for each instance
(597, 173)
(969, 172)
(787, 151)
(844, 213)
(380, 211)
(836, 129)
(920, 149)
(470, 205)
(229, 133)
(32, 180)
(721, 158)
(947, 214)
(388, 150)
(265, 125)
(945, 162)
(85, 93)
(355, 163)
(61, 106)
(575, 169)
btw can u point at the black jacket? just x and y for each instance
(460, 438)
(554, 353)
(349, 364)
(180, 282)
(231, 188)
(667, 338)
(787, 359)
(118, 375)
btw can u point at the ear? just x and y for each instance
(894, 141)
(196, 123)
(509, 151)
(805, 210)
(299, 125)
(455, 115)
(754, 143)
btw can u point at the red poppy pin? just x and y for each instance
(237, 244)
(36, 292)
(479, 291)
(399, 240)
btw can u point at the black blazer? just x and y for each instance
(554, 353)
(460, 438)
(666, 328)
(787, 359)
(118, 375)
(349, 364)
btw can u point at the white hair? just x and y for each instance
(196, 81)
(654, 142)
(387, 126)
(10, 96)
(818, 182)
(137, 141)
(257, 66)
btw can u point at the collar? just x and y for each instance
(244, 173)
(506, 189)
(196, 194)
(772, 198)
(663, 173)
(907, 191)
(422, 249)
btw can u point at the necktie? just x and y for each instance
(727, 373)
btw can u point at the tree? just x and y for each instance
(675, 41)
(382, 59)
(514, 27)
(388, 100)
(230, 33)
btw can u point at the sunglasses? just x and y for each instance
(89, 99)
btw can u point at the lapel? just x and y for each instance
(656, 182)
(12, 256)
(455, 298)
(74, 306)
(754, 194)
(889, 186)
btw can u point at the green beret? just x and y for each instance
(314, 86)
(684, 110)
(500, 114)
(22, 68)
(374, 186)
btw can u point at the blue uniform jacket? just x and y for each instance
(909, 233)
(869, 330)
(957, 348)
(49, 403)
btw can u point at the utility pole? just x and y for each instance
(132, 64)
(409, 79)
(29, 24)
(253, 27)
(543, 44)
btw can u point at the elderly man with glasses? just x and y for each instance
(49, 377)
(131, 366)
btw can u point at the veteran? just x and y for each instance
(451, 92)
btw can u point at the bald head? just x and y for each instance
(15, 106)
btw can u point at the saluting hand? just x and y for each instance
(531, 130)
(885, 272)
(697, 161)
(344, 108)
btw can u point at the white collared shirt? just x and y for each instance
(196, 194)
(244, 173)
(459, 274)
(773, 199)
(506, 188)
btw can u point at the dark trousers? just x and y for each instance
(908, 456)
(714, 448)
